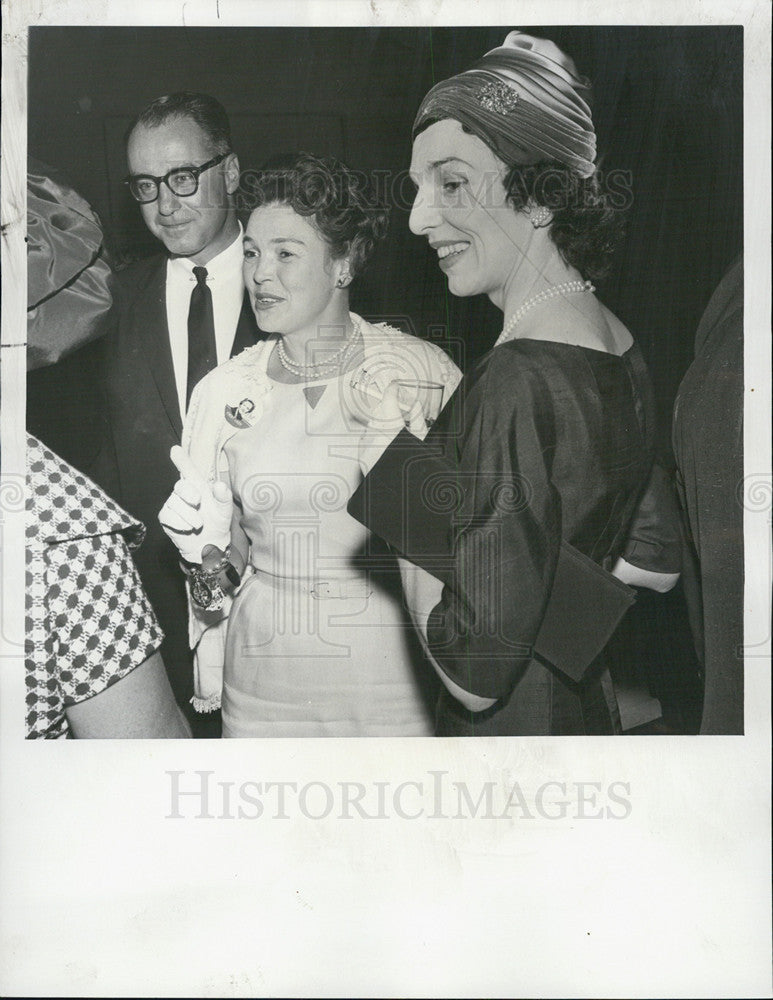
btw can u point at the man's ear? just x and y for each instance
(232, 173)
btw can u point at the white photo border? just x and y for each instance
(107, 891)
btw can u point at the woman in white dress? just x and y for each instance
(318, 642)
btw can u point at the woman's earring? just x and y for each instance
(540, 217)
(343, 279)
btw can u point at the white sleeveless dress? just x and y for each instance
(319, 642)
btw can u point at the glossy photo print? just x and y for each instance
(552, 546)
(385, 503)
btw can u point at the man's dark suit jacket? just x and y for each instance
(141, 423)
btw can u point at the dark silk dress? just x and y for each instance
(542, 444)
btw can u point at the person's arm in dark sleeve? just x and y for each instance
(483, 519)
(504, 544)
(104, 469)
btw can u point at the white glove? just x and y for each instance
(197, 513)
(634, 576)
(391, 414)
(388, 417)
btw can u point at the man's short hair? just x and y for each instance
(208, 113)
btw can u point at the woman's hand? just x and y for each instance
(197, 513)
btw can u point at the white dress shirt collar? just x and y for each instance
(224, 280)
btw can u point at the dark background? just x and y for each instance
(668, 107)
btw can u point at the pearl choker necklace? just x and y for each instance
(318, 369)
(566, 288)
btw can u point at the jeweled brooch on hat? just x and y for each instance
(497, 96)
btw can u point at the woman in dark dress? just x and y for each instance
(516, 507)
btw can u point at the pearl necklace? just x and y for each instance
(317, 369)
(566, 288)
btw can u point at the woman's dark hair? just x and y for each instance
(341, 202)
(587, 227)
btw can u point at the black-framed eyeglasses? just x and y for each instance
(182, 181)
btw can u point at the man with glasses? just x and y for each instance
(176, 315)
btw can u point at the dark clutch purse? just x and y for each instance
(585, 607)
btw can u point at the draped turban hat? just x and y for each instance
(525, 100)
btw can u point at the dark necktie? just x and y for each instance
(202, 353)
